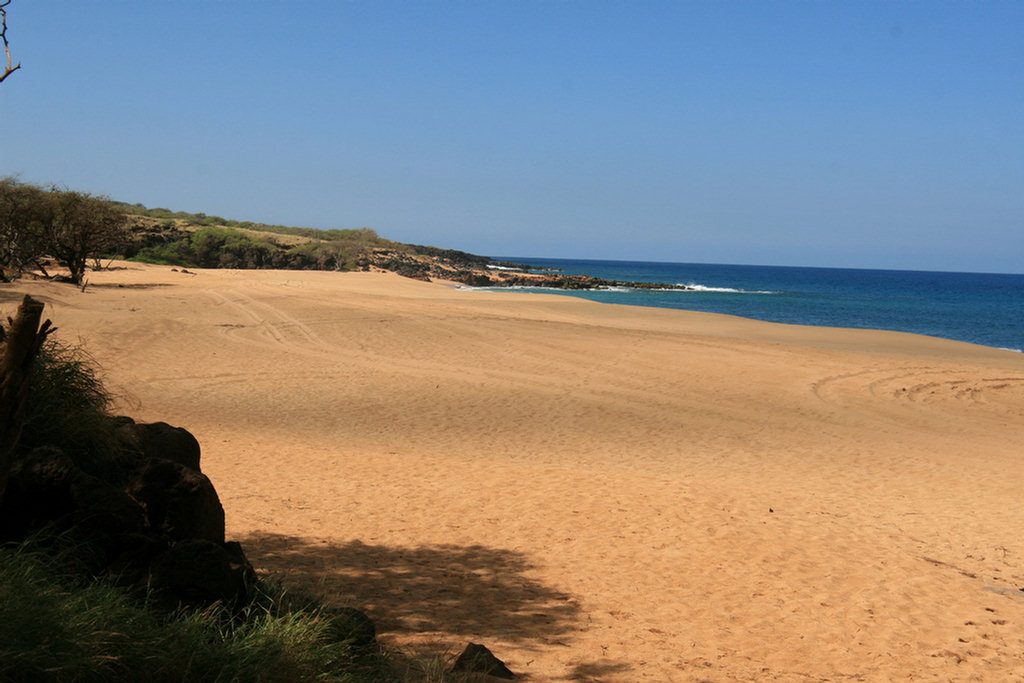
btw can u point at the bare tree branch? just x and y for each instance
(3, 35)
(20, 346)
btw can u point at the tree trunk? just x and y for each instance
(20, 345)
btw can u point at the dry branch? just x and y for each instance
(20, 346)
(3, 36)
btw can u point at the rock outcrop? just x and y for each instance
(478, 659)
(153, 523)
(426, 263)
(159, 440)
(180, 502)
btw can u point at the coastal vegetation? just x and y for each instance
(221, 247)
(69, 226)
(75, 228)
(197, 240)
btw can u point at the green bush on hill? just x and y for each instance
(212, 248)
(38, 224)
(219, 247)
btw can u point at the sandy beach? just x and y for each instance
(595, 492)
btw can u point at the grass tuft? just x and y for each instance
(68, 406)
(54, 629)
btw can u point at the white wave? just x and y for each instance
(503, 288)
(494, 267)
(694, 287)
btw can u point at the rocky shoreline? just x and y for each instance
(428, 263)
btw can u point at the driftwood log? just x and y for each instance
(19, 346)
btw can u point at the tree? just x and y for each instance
(22, 210)
(3, 36)
(78, 226)
(72, 227)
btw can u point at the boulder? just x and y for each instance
(104, 514)
(478, 659)
(48, 491)
(241, 568)
(131, 566)
(349, 625)
(180, 502)
(155, 527)
(198, 573)
(160, 440)
(38, 493)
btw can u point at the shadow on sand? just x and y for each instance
(133, 285)
(471, 591)
(451, 594)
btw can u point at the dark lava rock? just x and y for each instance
(478, 659)
(197, 572)
(179, 501)
(104, 513)
(160, 440)
(38, 493)
(47, 490)
(349, 625)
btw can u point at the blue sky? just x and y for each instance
(860, 134)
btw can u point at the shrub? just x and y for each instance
(178, 253)
(67, 406)
(71, 226)
(22, 210)
(212, 248)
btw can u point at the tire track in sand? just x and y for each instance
(927, 388)
(281, 328)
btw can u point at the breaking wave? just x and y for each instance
(694, 287)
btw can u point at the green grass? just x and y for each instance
(67, 407)
(54, 628)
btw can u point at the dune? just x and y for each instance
(595, 492)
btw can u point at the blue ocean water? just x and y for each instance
(981, 308)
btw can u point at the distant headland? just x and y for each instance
(197, 240)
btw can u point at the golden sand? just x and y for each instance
(595, 492)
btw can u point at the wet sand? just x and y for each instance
(595, 492)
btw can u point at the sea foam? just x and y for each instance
(694, 287)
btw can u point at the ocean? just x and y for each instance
(981, 308)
